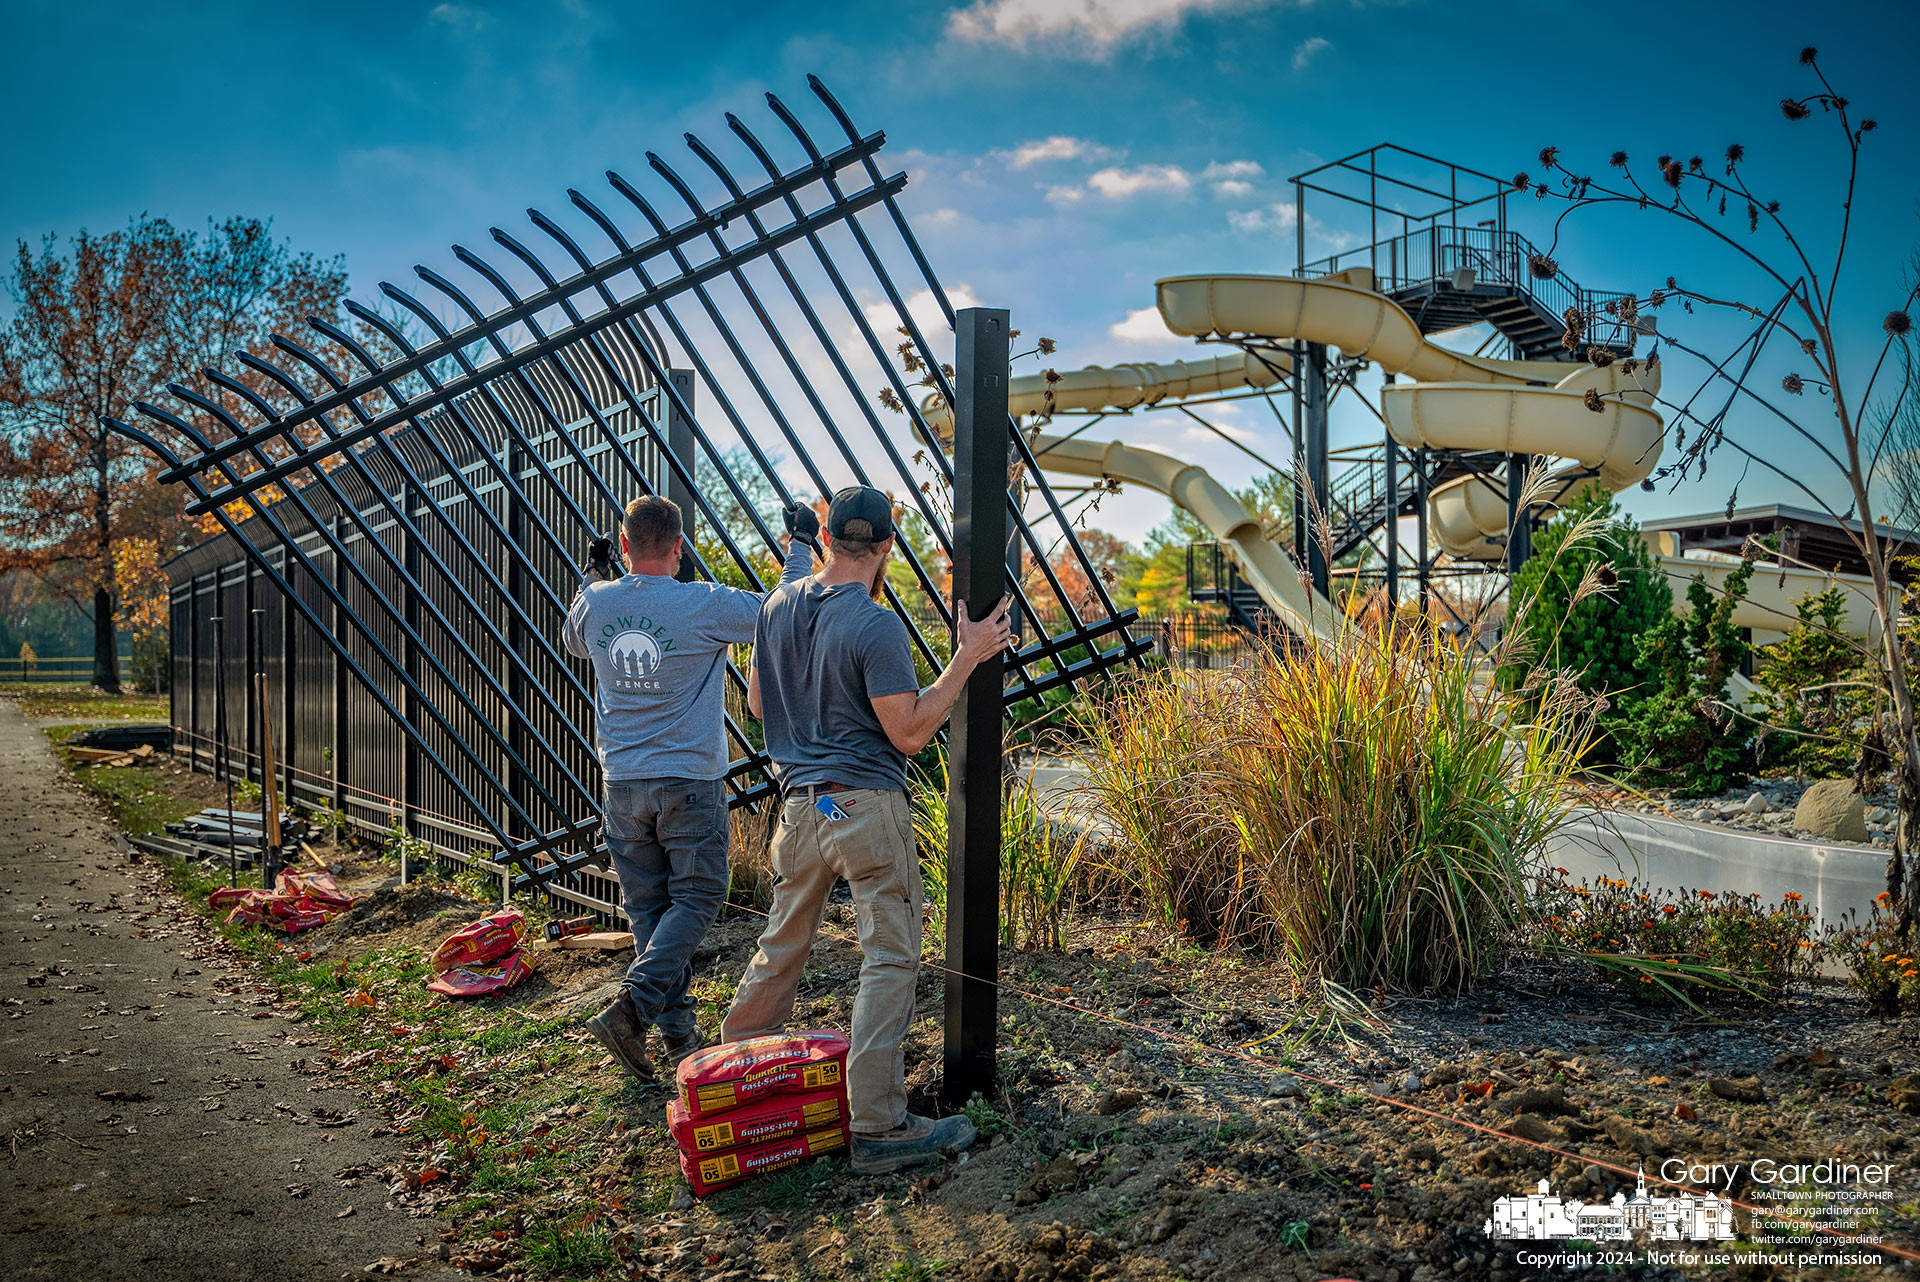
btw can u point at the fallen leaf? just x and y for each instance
(1685, 1112)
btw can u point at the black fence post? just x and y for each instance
(980, 444)
(680, 445)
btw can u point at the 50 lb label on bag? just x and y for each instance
(725, 1077)
(706, 1174)
(777, 1118)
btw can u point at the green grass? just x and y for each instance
(531, 1122)
(47, 700)
(137, 797)
(568, 1252)
(911, 1268)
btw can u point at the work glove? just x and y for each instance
(600, 559)
(802, 523)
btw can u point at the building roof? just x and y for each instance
(1811, 537)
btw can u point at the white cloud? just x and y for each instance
(1229, 179)
(1143, 326)
(1118, 184)
(1307, 50)
(1270, 218)
(1231, 169)
(926, 313)
(1064, 195)
(1058, 147)
(1088, 27)
(1282, 217)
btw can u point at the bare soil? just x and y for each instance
(1164, 1113)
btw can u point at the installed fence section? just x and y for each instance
(407, 500)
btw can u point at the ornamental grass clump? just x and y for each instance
(1369, 807)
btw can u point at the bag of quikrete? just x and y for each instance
(777, 1117)
(481, 978)
(723, 1077)
(717, 1170)
(317, 886)
(481, 941)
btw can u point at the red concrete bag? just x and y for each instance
(722, 1077)
(481, 978)
(717, 1170)
(778, 1117)
(482, 941)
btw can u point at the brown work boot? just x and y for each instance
(678, 1048)
(619, 1030)
(918, 1139)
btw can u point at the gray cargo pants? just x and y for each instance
(668, 839)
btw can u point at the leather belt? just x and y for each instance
(815, 789)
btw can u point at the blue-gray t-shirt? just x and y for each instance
(659, 651)
(823, 655)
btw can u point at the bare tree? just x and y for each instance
(1861, 396)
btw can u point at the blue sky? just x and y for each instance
(1063, 153)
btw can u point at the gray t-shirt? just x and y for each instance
(659, 651)
(823, 655)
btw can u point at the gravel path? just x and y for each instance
(157, 1117)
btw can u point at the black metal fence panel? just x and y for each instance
(407, 501)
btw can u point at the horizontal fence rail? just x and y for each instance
(403, 502)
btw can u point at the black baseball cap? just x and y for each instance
(860, 503)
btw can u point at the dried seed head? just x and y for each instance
(1773, 206)
(1618, 160)
(1608, 576)
(1868, 126)
(1753, 217)
(1542, 267)
(889, 400)
(1810, 347)
(1696, 164)
(1647, 485)
(1662, 160)
(1052, 376)
(1673, 174)
(1808, 55)
(1549, 156)
(1600, 357)
(1047, 346)
(1735, 154)
(1521, 182)
(1792, 385)
(1793, 109)
(1594, 402)
(1897, 324)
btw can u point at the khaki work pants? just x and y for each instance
(873, 849)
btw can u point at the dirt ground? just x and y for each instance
(156, 1115)
(1164, 1113)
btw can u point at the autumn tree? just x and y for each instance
(1788, 378)
(110, 320)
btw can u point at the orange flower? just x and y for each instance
(1792, 897)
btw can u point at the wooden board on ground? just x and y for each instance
(605, 941)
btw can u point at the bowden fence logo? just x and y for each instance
(1543, 1214)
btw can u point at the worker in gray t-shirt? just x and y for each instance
(834, 683)
(659, 652)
